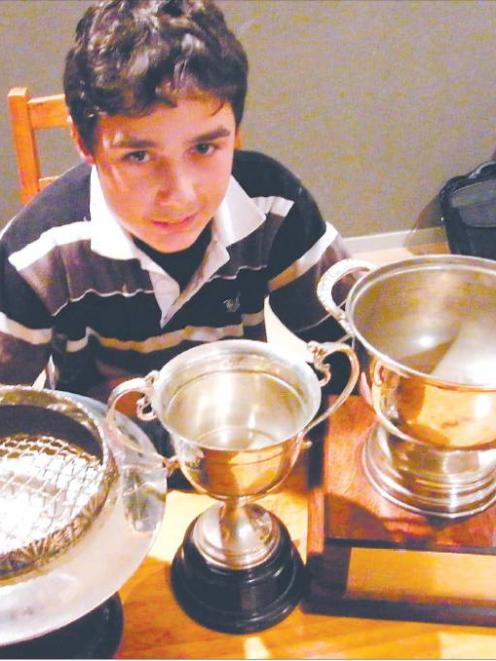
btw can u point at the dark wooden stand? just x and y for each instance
(238, 600)
(353, 531)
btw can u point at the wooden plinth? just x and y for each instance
(371, 558)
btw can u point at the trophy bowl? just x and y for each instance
(238, 412)
(236, 416)
(422, 330)
(56, 472)
(78, 513)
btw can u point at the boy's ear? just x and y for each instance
(81, 148)
(238, 139)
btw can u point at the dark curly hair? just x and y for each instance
(131, 54)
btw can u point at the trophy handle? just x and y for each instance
(328, 281)
(319, 352)
(144, 411)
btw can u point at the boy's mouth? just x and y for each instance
(168, 223)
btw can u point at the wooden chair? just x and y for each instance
(29, 115)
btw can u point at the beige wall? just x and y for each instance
(374, 103)
(34, 35)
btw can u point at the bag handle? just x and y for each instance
(480, 168)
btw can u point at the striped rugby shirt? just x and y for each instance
(76, 287)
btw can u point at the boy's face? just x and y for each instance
(166, 173)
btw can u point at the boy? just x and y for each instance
(165, 236)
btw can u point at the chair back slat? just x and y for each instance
(48, 112)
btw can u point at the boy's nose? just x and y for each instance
(176, 187)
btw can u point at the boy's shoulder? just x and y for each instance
(262, 175)
(65, 201)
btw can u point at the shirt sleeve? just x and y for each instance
(304, 248)
(25, 328)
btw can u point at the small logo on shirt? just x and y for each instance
(232, 304)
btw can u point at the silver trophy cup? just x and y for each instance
(238, 412)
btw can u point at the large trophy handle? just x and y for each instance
(328, 281)
(320, 351)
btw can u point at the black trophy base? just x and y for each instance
(96, 635)
(238, 600)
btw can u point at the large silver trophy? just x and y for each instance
(238, 412)
(423, 329)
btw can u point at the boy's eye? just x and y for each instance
(139, 156)
(205, 148)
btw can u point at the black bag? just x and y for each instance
(468, 206)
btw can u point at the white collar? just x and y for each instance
(237, 216)
(108, 236)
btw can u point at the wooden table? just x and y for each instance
(155, 626)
